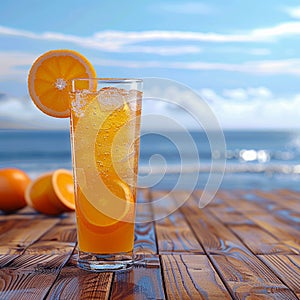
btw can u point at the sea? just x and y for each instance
(246, 159)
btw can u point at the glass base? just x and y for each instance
(105, 262)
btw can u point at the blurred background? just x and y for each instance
(241, 57)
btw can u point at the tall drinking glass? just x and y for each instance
(105, 130)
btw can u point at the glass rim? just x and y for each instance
(109, 80)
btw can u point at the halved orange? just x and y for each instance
(52, 193)
(49, 80)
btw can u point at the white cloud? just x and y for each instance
(284, 66)
(288, 66)
(22, 113)
(260, 92)
(254, 108)
(163, 50)
(294, 12)
(240, 108)
(12, 62)
(11, 65)
(111, 41)
(114, 41)
(248, 94)
(125, 41)
(236, 94)
(249, 108)
(280, 30)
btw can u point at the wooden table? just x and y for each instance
(243, 245)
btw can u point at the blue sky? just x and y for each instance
(242, 57)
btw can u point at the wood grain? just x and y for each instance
(74, 283)
(144, 281)
(173, 232)
(145, 240)
(245, 244)
(62, 233)
(278, 228)
(192, 277)
(260, 241)
(18, 234)
(174, 235)
(247, 277)
(287, 269)
(214, 236)
(30, 276)
(282, 198)
(50, 247)
(6, 259)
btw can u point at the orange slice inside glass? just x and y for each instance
(123, 212)
(49, 80)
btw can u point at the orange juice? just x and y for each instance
(105, 143)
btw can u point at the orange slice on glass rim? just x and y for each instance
(49, 80)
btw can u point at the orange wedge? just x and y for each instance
(52, 193)
(49, 80)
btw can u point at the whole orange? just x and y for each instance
(13, 183)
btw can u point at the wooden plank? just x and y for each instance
(246, 201)
(241, 270)
(165, 203)
(21, 285)
(287, 268)
(174, 233)
(74, 283)
(293, 194)
(62, 233)
(6, 259)
(30, 276)
(67, 218)
(248, 278)
(212, 234)
(192, 277)
(225, 213)
(279, 229)
(289, 216)
(145, 240)
(144, 212)
(144, 281)
(18, 234)
(283, 198)
(276, 203)
(259, 241)
(39, 262)
(50, 247)
(261, 219)
(250, 240)
(228, 215)
(175, 236)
